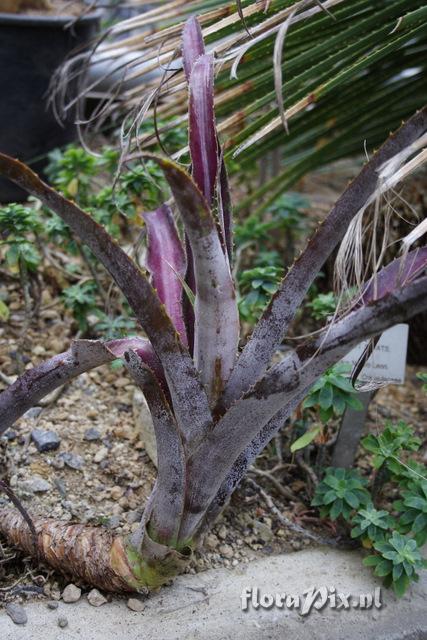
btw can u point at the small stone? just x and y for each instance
(10, 435)
(113, 522)
(211, 541)
(226, 551)
(222, 532)
(116, 493)
(52, 604)
(32, 413)
(71, 593)
(38, 350)
(72, 460)
(121, 382)
(262, 531)
(62, 622)
(58, 463)
(45, 440)
(95, 598)
(133, 517)
(36, 484)
(135, 605)
(16, 612)
(101, 454)
(92, 434)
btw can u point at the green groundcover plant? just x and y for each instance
(214, 407)
(394, 536)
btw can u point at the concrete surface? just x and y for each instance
(207, 606)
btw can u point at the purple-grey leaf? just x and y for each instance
(395, 275)
(192, 44)
(216, 315)
(281, 385)
(168, 503)
(224, 208)
(202, 131)
(83, 355)
(166, 263)
(189, 399)
(273, 324)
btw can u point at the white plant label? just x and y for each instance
(387, 362)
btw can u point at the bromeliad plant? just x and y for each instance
(213, 408)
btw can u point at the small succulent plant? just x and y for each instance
(398, 561)
(371, 524)
(413, 508)
(340, 492)
(393, 439)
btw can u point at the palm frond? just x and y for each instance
(351, 71)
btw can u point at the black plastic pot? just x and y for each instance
(31, 49)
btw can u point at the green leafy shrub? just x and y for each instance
(413, 508)
(18, 227)
(386, 445)
(286, 214)
(397, 561)
(81, 299)
(256, 287)
(340, 493)
(332, 393)
(423, 377)
(395, 539)
(371, 524)
(113, 326)
(323, 305)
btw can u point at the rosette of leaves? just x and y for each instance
(81, 299)
(340, 493)
(387, 445)
(256, 286)
(397, 561)
(332, 393)
(406, 472)
(371, 524)
(323, 305)
(413, 508)
(17, 225)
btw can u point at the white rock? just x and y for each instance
(135, 605)
(95, 598)
(101, 454)
(71, 593)
(36, 484)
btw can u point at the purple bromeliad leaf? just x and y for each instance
(192, 48)
(208, 167)
(166, 263)
(395, 275)
(216, 326)
(170, 484)
(192, 45)
(225, 213)
(82, 356)
(190, 402)
(202, 131)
